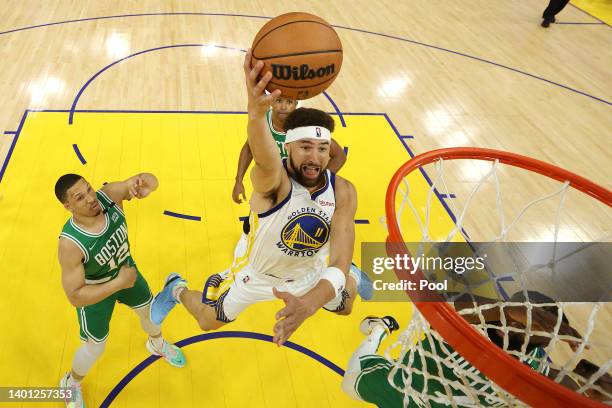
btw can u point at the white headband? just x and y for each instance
(308, 132)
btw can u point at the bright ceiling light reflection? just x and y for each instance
(39, 90)
(393, 87)
(117, 45)
(209, 50)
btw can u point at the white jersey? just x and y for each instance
(291, 240)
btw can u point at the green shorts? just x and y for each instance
(94, 319)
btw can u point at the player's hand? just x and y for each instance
(259, 102)
(127, 276)
(238, 191)
(289, 318)
(138, 187)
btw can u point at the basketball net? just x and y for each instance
(474, 371)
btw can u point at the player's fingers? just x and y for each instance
(286, 311)
(254, 72)
(272, 96)
(247, 62)
(243, 196)
(281, 295)
(263, 82)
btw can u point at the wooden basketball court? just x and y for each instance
(109, 89)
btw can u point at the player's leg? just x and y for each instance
(224, 297)
(357, 283)
(84, 358)
(175, 291)
(94, 329)
(139, 298)
(365, 365)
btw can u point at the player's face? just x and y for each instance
(82, 200)
(282, 107)
(309, 159)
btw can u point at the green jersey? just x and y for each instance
(103, 253)
(279, 137)
(373, 382)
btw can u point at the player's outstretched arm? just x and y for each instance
(267, 174)
(78, 292)
(139, 186)
(337, 157)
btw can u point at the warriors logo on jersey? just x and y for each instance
(305, 233)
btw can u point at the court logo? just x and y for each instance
(304, 234)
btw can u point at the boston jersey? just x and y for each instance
(103, 253)
(279, 137)
(291, 239)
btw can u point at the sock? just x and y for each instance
(157, 342)
(73, 381)
(355, 273)
(177, 289)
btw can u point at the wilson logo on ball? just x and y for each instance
(302, 72)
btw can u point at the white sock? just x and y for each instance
(355, 274)
(157, 342)
(177, 289)
(73, 381)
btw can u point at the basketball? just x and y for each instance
(303, 52)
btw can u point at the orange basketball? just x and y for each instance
(302, 51)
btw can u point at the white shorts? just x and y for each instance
(248, 287)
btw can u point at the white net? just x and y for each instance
(565, 340)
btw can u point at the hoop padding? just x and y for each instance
(507, 372)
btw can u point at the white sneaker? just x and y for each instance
(169, 352)
(76, 400)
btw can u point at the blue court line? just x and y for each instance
(434, 47)
(13, 143)
(78, 153)
(335, 108)
(10, 132)
(569, 23)
(183, 216)
(589, 14)
(212, 336)
(90, 80)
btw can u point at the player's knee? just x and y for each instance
(206, 324)
(346, 310)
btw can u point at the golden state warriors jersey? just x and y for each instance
(291, 239)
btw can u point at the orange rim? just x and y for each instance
(507, 372)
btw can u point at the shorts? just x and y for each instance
(94, 319)
(230, 293)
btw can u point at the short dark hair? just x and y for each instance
(309, 117)
(63, 184)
